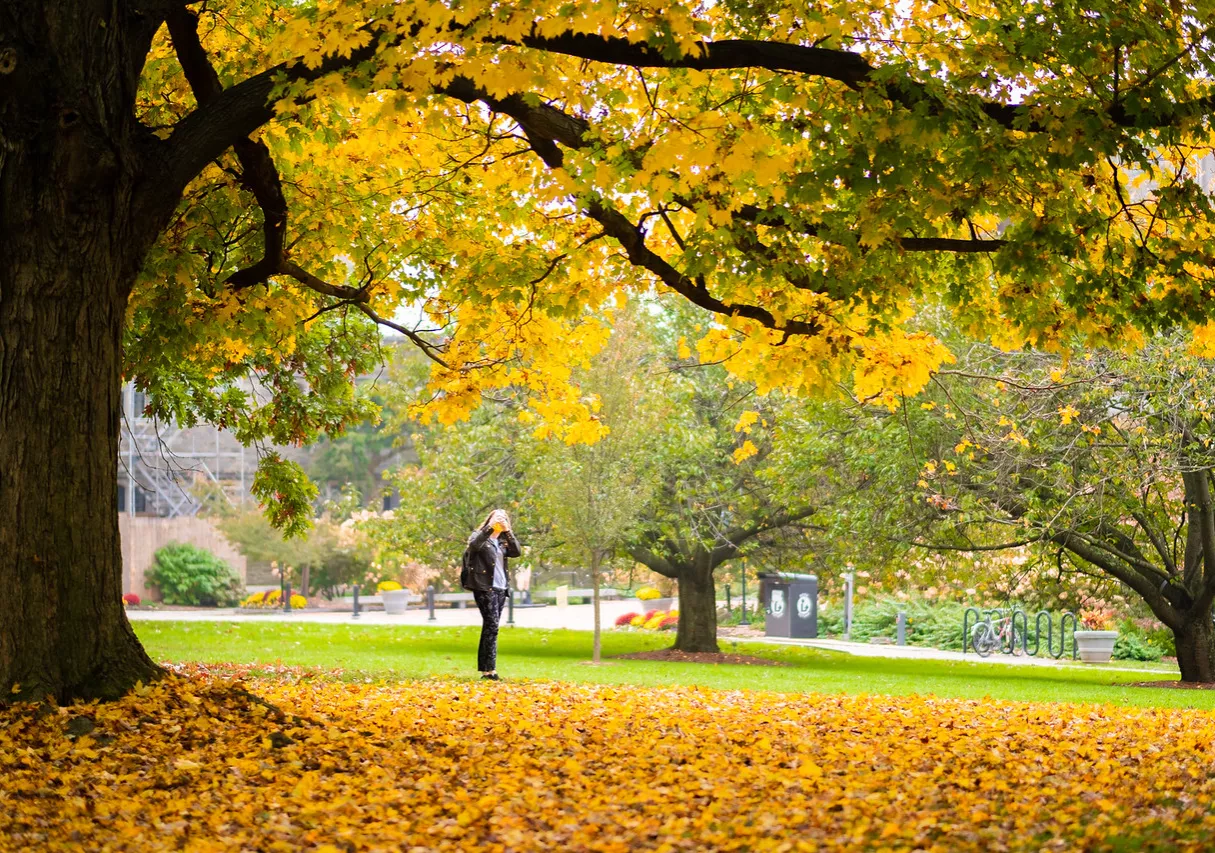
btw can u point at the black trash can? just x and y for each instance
(791, 604)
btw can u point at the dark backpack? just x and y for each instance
(466, 570)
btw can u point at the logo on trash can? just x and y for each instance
(778, 602)
(804, 605)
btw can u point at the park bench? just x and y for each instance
(605, 594)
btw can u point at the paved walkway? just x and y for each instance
(577, 617)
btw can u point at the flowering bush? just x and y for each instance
(648, 593)
(1097, 619)
(130, 598)
(272, 599)
(651, 620)
(387, 586)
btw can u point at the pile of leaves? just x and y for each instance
(207, 762)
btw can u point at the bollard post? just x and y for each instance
(356, 601)
(510, 607)
(849, 580)
(728, 608)
(901, 629)
(745, 620)
(287, 599)
(430, 602)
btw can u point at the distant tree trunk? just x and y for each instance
(71, 246)
(595, 561)
(1196, 648)
(697, 630)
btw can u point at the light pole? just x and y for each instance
(745, 620)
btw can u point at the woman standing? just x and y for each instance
(486, 575)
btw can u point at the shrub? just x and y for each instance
(130, 598)
(754, 617)
(1135, 647)
(936, 624)
(648, 593)
(298, 602)
(626, 619)
(192, 576)
(1163, 639)
(255, 599)
(383, 586)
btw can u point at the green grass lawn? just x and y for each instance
(392, 652)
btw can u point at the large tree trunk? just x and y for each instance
(69, 255)
(1196, 649)
(697, 609)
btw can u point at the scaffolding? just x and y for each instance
(161, 464)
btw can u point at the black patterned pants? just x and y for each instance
(490, 603)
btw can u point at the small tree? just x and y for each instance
(1106, 464)
(593, 494)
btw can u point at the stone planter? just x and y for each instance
(663, 604)
(395, 600)
(1095, 646)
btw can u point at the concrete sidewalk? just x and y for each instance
(575, 617)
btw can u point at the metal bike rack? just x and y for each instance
(1063, 634)
(1012, 634)
(973, 616)
(967, 625)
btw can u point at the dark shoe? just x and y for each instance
(489, 677)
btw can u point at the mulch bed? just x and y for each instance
(676, 656)
(1175, 685)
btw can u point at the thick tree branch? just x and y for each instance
(736, 537)
(1150, 592)
(653, 562)
(782, 218)
(851, 69)
(231, 115)
(1157, 541)
(261, 178)
(545, 126)
(259, 174)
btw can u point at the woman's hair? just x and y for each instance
(489, 518)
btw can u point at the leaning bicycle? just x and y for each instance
(997, 633)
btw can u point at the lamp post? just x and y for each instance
(849, 582)
(746, 620)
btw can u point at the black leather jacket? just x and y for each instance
(479, 559)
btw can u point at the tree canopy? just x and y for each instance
(804, 174)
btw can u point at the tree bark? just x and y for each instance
(697, 630)
(70, 251)
(1196, 648)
